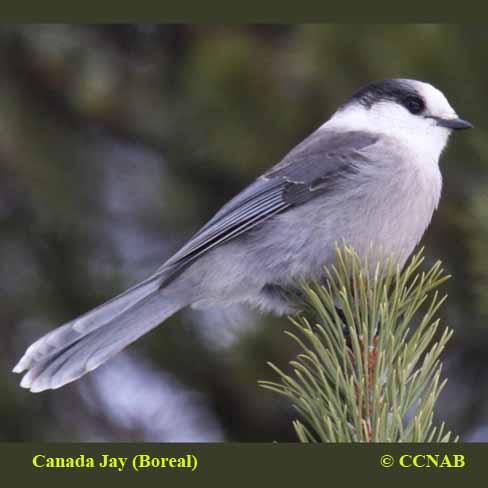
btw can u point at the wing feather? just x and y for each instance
(307, 171)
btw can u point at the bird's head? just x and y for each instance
(410, 110)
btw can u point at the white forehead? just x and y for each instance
(435, 100)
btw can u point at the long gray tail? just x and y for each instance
(80, 346)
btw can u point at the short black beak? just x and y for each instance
(454, 124)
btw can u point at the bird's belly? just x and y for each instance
(384, 219)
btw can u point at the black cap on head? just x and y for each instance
(395, 90)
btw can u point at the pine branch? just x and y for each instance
(369, 368)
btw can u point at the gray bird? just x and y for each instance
(369, 175)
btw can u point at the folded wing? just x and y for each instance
(310, 169)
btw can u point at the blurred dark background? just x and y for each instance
(117, 142)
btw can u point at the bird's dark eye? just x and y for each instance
(414, 105)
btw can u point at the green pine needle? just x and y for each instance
(376, 377)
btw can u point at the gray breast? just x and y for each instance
(388, 205)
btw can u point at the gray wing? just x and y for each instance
(311, 168)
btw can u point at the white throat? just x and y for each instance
(420, 137)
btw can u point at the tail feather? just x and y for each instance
(104, 313)
(66, 334)
(74, 349)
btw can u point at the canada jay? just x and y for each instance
(368, 175)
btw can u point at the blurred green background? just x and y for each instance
(117, 142)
